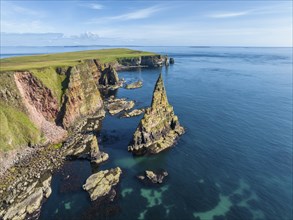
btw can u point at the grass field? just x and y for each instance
(66, 59)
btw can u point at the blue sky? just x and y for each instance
(214, 23)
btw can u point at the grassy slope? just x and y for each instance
(66, 59)
(51, 80)
(16, 128)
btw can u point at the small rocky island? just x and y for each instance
(101, 183)
(159, 127)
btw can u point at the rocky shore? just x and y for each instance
(26, 185)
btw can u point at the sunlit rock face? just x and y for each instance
(101, 183)
(159, 127)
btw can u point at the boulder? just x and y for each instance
(153, 177)
(101, 183)
(134, 85)
(133, 113)
(171, 61)
(159, 128)
(115, 106)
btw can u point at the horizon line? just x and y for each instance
(106, 45)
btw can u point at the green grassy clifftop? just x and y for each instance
(67, 59)
(50, 76)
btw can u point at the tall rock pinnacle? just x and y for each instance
(159, 127)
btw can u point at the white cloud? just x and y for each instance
(11, 9)
(139, 14)
(94, 6)
(97, 6)
(229, 14)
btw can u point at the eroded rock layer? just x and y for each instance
(101, 183)
(159, 127)
(82, 96)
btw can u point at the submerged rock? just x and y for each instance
(133, 113)
(159, 127)
(134, 85)
(154, 177)
(101, 183)
(115, 106)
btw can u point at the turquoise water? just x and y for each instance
(235, 160)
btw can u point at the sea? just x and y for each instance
(234, 161)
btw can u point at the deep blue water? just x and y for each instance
(235, 159)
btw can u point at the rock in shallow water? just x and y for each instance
(115, 106)
(159, 127)
(101, 183)
(96, 155)
(134, 85)
(133, 113)
(154, 177)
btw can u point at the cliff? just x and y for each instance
(148, 61)
(42, 97)
(159, 127)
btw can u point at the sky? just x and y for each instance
(146, 23)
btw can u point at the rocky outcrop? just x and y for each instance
(152, 61)
(153, 177)
(82, 96)
(143, 61)
(115, 106)
(27, 202)
(97, 156)
(167, 61)
(133, 113)
(109, 76)
(83, 143)
(159, 127)
(102, 183)
(134, 85)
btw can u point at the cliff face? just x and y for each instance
(148, 61)
(109, 76)
(37, 95)
(82, 96)
(42, 107)
(38, 105)
(159, 127)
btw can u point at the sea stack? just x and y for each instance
(159, 127)
(109, 76)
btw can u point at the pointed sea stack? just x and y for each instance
(159, 127)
